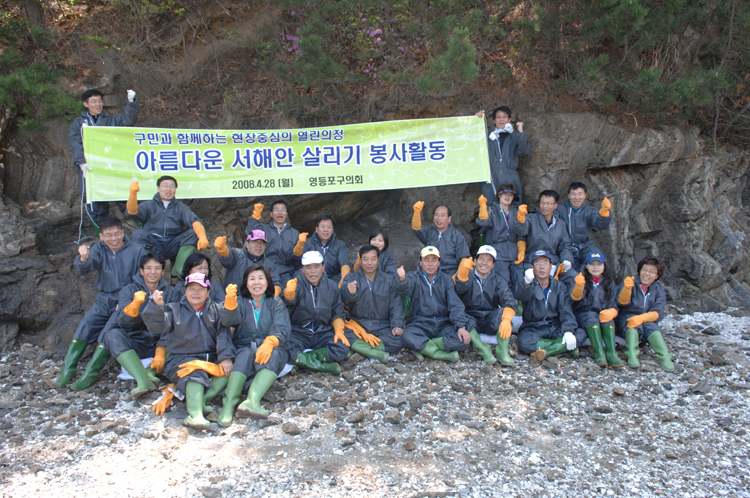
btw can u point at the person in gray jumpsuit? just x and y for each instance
(581, 219)
(335, 254)
(236, 261)
(386, 261)
(497, 217)
(449, 242)
(199, 263)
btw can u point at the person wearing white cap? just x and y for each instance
(236, 261)
(488, 301)
(442, 235)
(334, 251)
(285, 243)
(317, 315)
(437, 324)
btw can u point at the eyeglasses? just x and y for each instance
(540, 265)
(547, 204)
(152, 268)
(200, 269)
(168, 187)
(111, 235)
(278, 210)
(650, 272)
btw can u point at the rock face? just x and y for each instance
(670, 197)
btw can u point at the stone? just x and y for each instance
(209, 492)
(294, 395)
(410, 446)
(711, 331)
(396, 401)
(290, 428)
(356, 417)
(393, 416)
(717, 359)
(603, 409)
(618, 391)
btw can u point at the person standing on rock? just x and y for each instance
(442, 235)
(438, 325)
(199, 263)
(116, 261)
(581, 219)
(642, 301)
(334, 251)
(164, 219)
(510, 248)
(95, 115)
(197, 340)
(595, 309)
(284, 242)
(489, 302)
(376, 314)
(549, 327)
(317, 315)
(505, 146)
(236, 261)
(386, 261)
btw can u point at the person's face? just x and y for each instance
(256, 283)
(369, 262)
(505, 199)
(201, 268)
(430, 265)
(577, 197)
(196, 294)
(95, 105)
(167, 190)
(547, 205)
(256, 247)
(595, 268)
(441, 218)
(649, 274)
(112, 238)
(501, 119)
(324, 230)
(378, 242)
(152, 272)
(484, 265)
(279, 214)
(541, 268)
(314, 272)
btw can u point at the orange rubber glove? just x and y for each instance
(577, 293)
(464, 267)
(264, 351)
(361, 333)
(607, 315)
(160, 356)
(160, 405)
(483, 214)
(134, 307)
(523, 210)
(521, 245)
(345, 270)
(506, 326)
(132, 204)
(604, 211)
(356, 263)
(627, 290)
(201, 233)
(559, 271)
(230, 303)
(276, 290)
(191, 366)
(300, 245)
(338, 332)
(220, 244)
(416, 219)
(291, 289)
(638, 320)
(257, 209)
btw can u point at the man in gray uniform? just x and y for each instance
(236, 261)
(282, 239)
(335, 254)
(449, 242)
(581, 220)
(116, 261)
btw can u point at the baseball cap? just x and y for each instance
(429, 251)
(487, 250)
(595, 256)
(541, 254)
(311, 258)
(257, 235)
(197, 278)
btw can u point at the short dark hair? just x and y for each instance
(365, 249)
(85, 96)
(324, 217)
(549, 193)
(650, 260)
(151, 256)
(381, 232)
(280, 201)
(502, 108)
(576, 186)
(165, 177)
(442, 206)
(194, 260)
(270, 290)
(109, 223)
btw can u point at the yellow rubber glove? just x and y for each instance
(264, 351)
(201, 233)
(559, 271)
(345, 270)
(356, 263)
(220, 244)
(230, 303)
(638, 320)
(276, 290)
(191, 366)
(132, 204)
(160, 356)
(300, 245)
(134, 307)
(627, 291)
(577, 293)
(607, 315)
(604, 211)
(483, 214)
(523, 210)
(160, 406)
(338, 332)
(506, 326)
(360, 332)
(464, 267)
(521, 245)
(291, 289)
(416, 219)
(257, 209)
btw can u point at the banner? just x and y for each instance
(219, 163)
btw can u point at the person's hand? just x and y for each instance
(84, 167)
(505, 329)
(211, 368)
(570, 341)
(397, 331)
(401, 274)
(567, 266)
(480, 114)
(607, 315)
(629, 283)
(604, 211)
(158, 297)
(83, 251)
(230, 302)
(464, 335)
(464, 267)
(338, 336)
(482, 200)
(161, 404)
(635, 321)
(523, 210)
(291, 289)
(263, 354)
(160, 356)
(418, 206)
(131, 95)
(352, 287)
(302, 237)
(139, 297)
(134, 187)
(519, 125)
(528, 276)
(226, 365)
(220, 244)
(257, 210)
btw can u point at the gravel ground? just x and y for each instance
(560, 428)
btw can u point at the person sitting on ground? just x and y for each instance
(549, 327)
(376, 314)
(640, 312)
(262, 331)
(510, 248)
(442, 235)
(595, 309)
(317, 315)
(197, 341)
(386, 261)
(199, 263)
(437, 324)
(581, 219)
(489, 302)
(236, 261)
(164, 219)
(334, 251)
(117, 261)
(284, 242)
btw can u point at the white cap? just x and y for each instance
(487, 250)
(311, 258)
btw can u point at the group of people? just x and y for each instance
(292, 300)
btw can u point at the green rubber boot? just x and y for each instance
(435, 348)
(363, 348)
(251, 408)
(608, 334)
(482, 239)
(153, 376)
(595, 336)
(549, 347)
(311, 362)
(660, 349)
(502, 353)
(75, 351)
(519, 309)
(483, 349)
(98, 360)
(234, 389)
(217, 384)
(632, 339)
(194, 403)
(179, 261)
(407, 306)
(130, 362)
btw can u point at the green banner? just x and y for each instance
(221, 163)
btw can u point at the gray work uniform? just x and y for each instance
(451, 244)
(484, 300)
(580, 223)
(387, 263)
(503, 240)
(280, 247)
(593, 301)
(250, 333)
(504, 153)
(217, 293)
(376, 306)
(162, 230)
(653, 300)
(552, 238)
(240, 260)
(335, 255)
